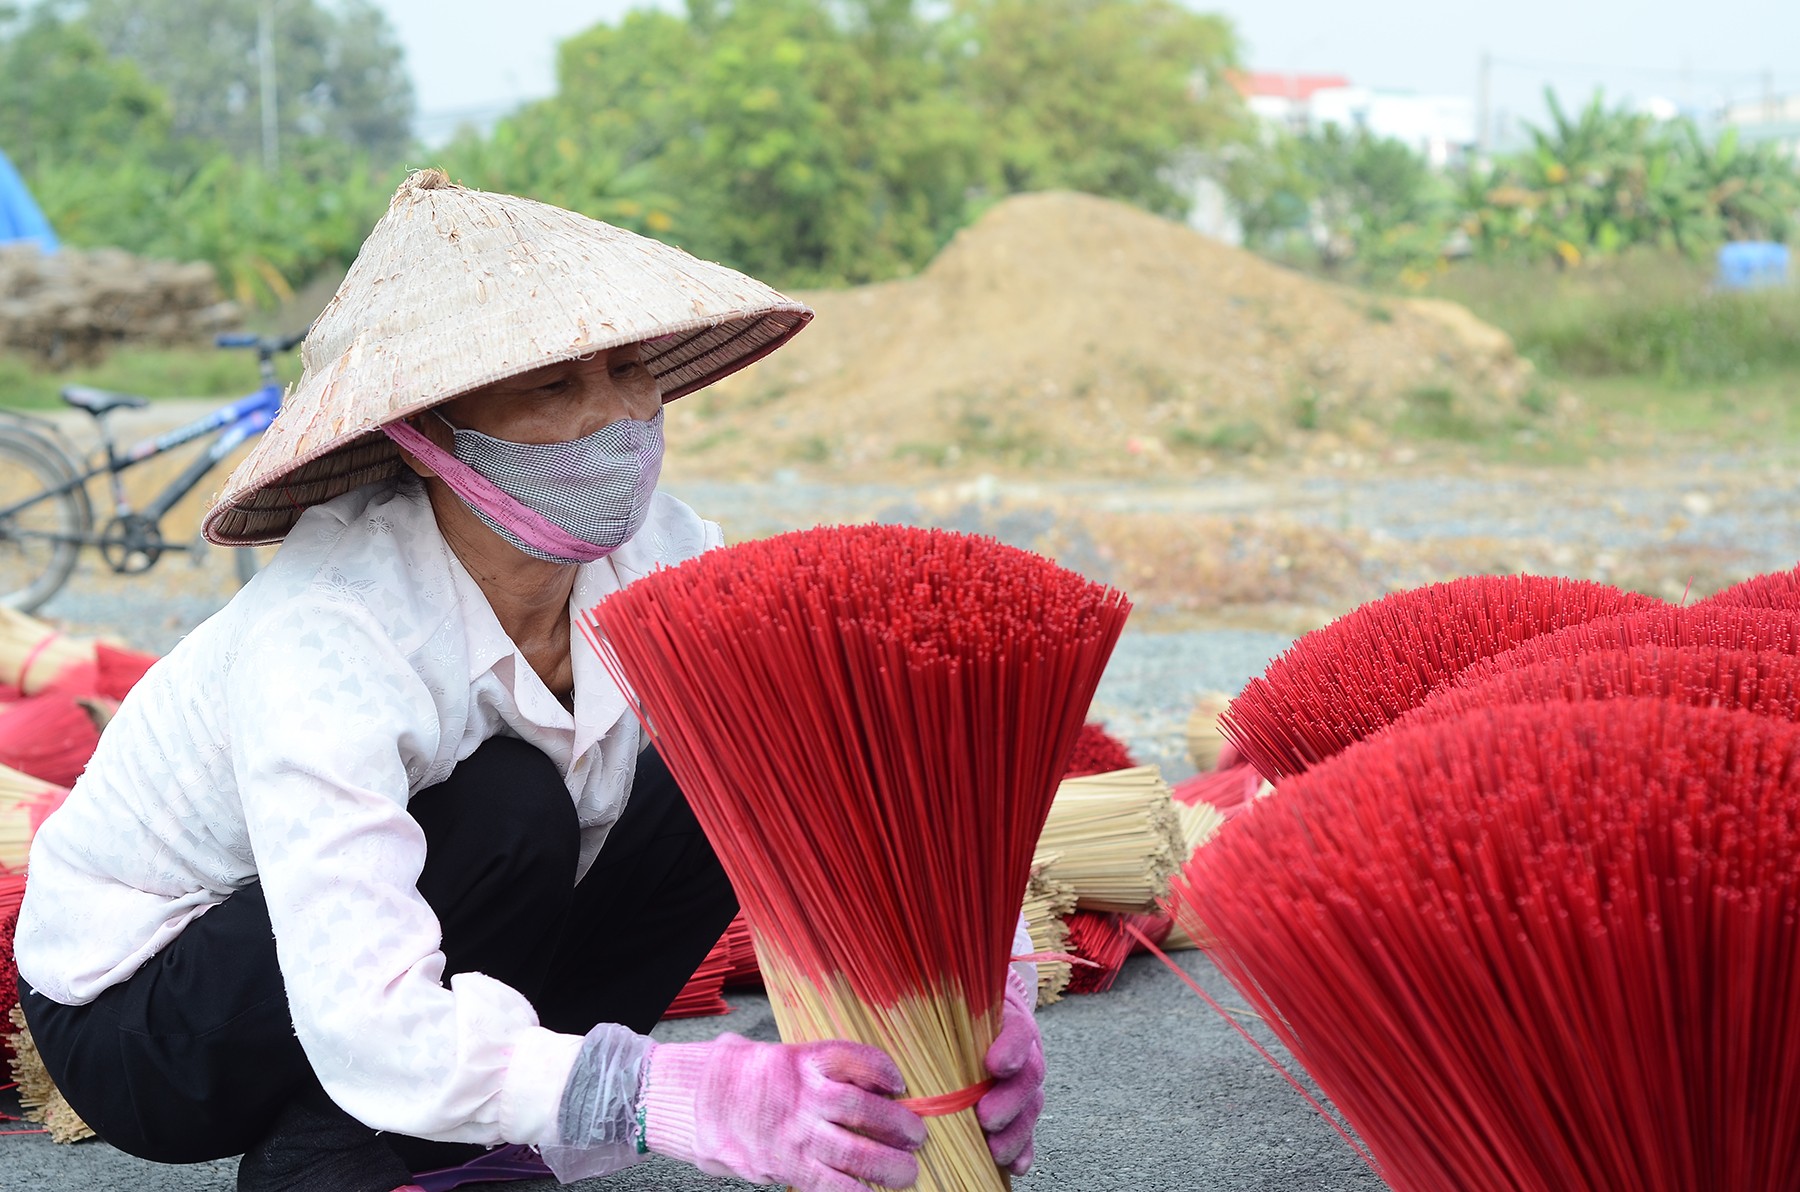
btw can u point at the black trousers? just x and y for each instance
(194, 1057)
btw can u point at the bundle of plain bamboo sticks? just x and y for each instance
(1048, 904)
(24, 802)
(1200, 822)
(1204, 740)
(1116, 839)
(33, 655)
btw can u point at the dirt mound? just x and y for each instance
(71, 306)
(1072, 332)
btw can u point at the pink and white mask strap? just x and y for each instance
(527, 524)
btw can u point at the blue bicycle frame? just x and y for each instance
(237, 422)
(234, 423)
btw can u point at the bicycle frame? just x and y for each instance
(235, 422)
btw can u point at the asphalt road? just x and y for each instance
(1149, 1091)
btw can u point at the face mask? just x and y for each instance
(570, 502)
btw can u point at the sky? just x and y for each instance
(473, 59)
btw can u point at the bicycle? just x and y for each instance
(46, 515)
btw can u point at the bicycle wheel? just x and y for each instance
(40, 543)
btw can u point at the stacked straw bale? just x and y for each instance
(72, 306)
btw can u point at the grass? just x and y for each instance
(1433, 412)
(1637, 354)
(1651, 316)
(150, 372)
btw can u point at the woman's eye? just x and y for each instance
(626, 368)
(556, 386)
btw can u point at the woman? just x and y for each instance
(375, 860)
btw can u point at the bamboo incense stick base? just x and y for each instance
(39, 1098)
(939, 1045)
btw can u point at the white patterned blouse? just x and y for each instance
(280, 741)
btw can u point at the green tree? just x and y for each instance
(1272, 191)
(340, 72)
(806, 142)
(1601, 181)
(1113, 97)
(61, 97)
(828, 141)
(1347, 199)
(97, 143)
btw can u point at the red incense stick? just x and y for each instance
(870, 723)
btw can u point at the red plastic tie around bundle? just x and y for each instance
(1065, 957)
(945, 1104)
(1231, 1020)
(32, 655)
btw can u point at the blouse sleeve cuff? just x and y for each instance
(531, 1098)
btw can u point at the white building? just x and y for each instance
(1441, 128)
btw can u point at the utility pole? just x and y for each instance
(265, 62)
(1484, 98)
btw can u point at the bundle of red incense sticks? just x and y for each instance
(1766, 682)
(870, 723)
(1340, 684)
(1776, 589)
(1706, 626)
(1535, 945)
(1098, 752)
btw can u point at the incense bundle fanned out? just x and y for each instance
(870, 723)
(9, 975)
(1704, 626)
(34, 656)
(24, 802)
(1098, 752)
(1546, 946)
(1116, 839)
(1349, 680)
(50, 737)
(1764, 682)
(117, 670)
(39, 1098)
(1777, 589)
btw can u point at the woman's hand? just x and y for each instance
(1009, 1111)
(816, 1116)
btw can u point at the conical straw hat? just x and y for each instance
(458, 288)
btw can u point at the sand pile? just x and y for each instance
(71, 306)
(1070, 332)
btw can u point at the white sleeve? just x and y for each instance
(330, 726)
(1022, 946)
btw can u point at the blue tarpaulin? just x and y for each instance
(20, 217)
(1752, 264)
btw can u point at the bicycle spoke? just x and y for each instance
(39, 542)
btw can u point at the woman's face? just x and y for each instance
(559, 402)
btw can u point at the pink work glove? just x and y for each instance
(1009, 1111)
(816, 1116)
